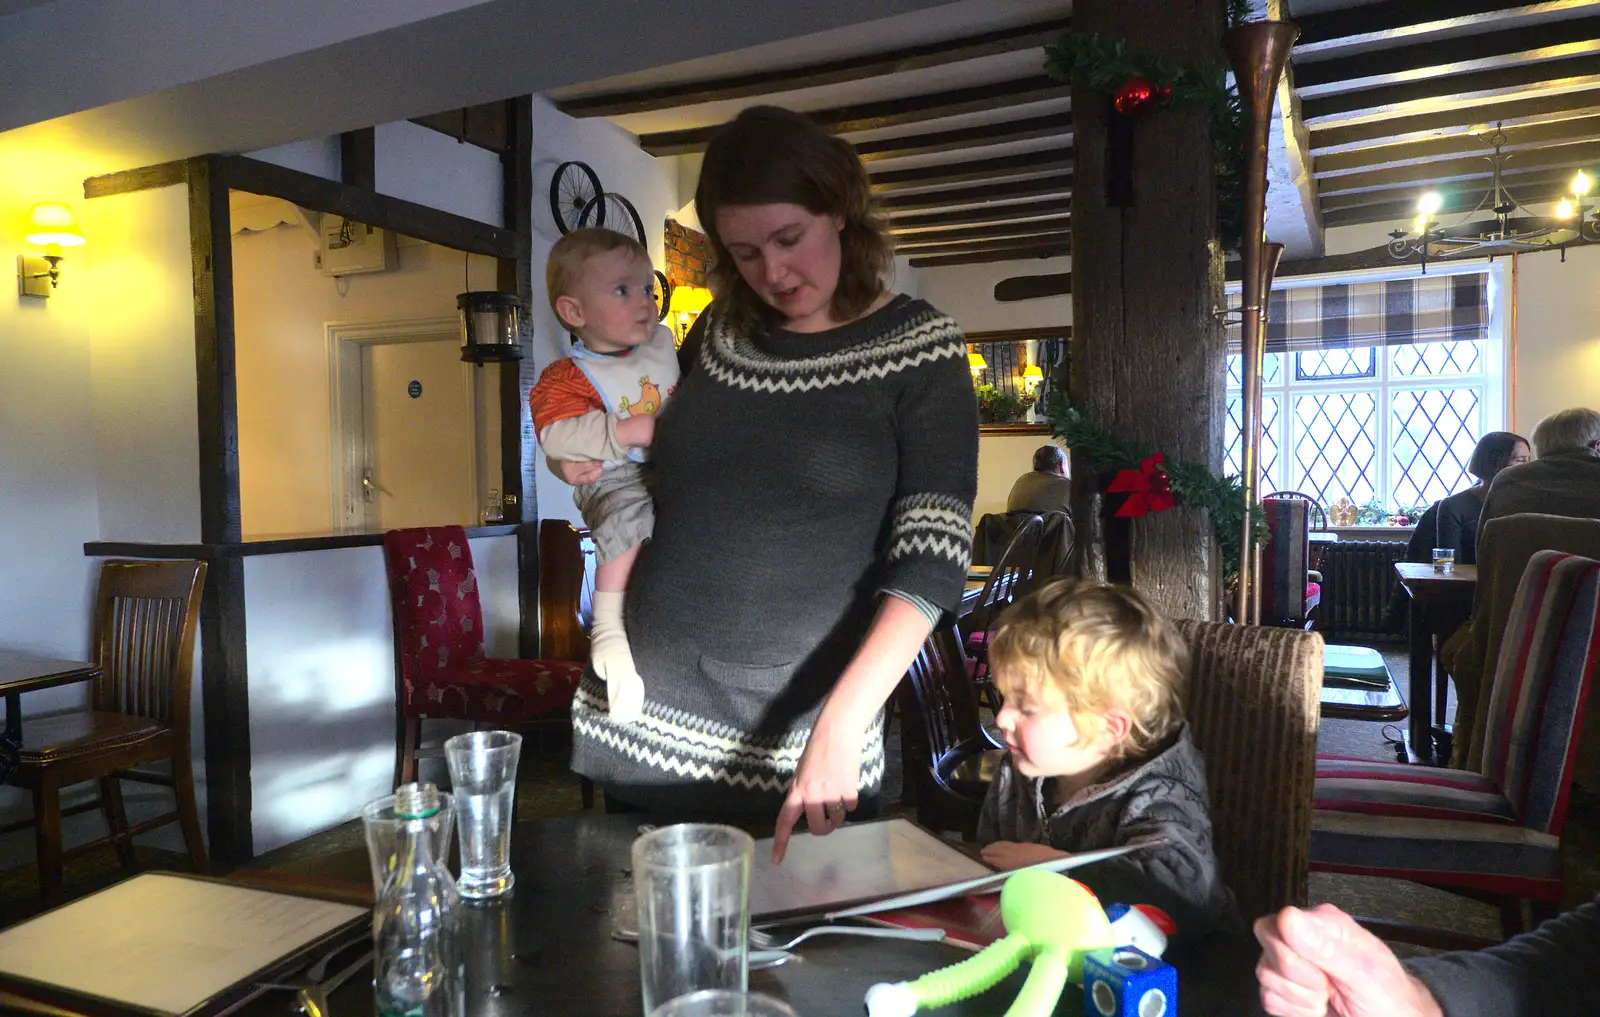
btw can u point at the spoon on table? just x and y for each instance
(765, 954)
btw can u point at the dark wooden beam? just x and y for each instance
(1035, 188)
(518, 451)
(224, 674)
(1050, 160)
(1388, 21)
(1403, 209)
(1058, 237)
(1431, 57)
(993, 254)
(1379, 257)
(484, 126)
(832, 72)
(365, 206)
(358, 158)
(884, 113)
(164, 174)
(1053, 125)
(1032, 227)
(1458, 120)
(1438, 150)
(1527, 79)
(1551, 157)
(983, 214)
(1033, 287)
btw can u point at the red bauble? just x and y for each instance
(1133, 97)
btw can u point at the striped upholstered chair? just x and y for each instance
(1493, 833)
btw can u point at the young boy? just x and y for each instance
(1100, 755)
(600, 403)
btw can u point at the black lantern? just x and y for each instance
(489, 331)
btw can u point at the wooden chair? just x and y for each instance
(1493, 832)
(949, 757)
(441, 669)
(145, 618)
(1010, 578)
(1253, 708)
(566, 590)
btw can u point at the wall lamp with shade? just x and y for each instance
(685, 306)
(490, 331)
(976, 363)
(52, 226)
(1032, 377)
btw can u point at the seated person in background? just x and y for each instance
(1453, 522)
(1563, 481)
(1100, 755)
(1321, 962)
(1046, 488)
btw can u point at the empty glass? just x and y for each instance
(723, 1003)
(483, 775)
(692, 885)
(1444, 559)
(383, 831)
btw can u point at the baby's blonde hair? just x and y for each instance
(1089, 647)
(565, 265)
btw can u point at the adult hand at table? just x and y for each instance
(824, 785)
(1321, 962)
(1011, 854)
(576, 472)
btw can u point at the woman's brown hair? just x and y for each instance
(767, 156)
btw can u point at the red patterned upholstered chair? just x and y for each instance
(439, 649)
(1492, 834)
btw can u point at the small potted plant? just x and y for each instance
(999, 406)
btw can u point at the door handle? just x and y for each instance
(369, 488)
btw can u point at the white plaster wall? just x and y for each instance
(317, 156)
(422, 165)
(322, 680)
(966, 293)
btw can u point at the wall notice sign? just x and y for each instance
(414, 390)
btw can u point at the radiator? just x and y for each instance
(1357, 579)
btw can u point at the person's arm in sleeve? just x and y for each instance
(1553, 971)
(592, 435)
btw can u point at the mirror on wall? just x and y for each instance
(356, 412)
(1017, 374)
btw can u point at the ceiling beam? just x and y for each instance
(832, 72)
(1393, 21)
(983, 214)
(884, 113)
(1529, 80)
(993, 254)
(1459, 196)
(1461, 202)
(1035, 227)
(1456, 120)
(938, 142)
(483, 126)
(1032, 287)
(1430, 58)
(986, 244)
(1047, 160)
(979, 195)
(1570, 156)
(1453, 146)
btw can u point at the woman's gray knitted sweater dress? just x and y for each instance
(798, 479)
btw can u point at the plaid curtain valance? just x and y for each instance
(1391, 313)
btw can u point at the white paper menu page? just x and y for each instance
(163, 942)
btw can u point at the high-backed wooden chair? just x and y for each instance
(145, 618)
(949, 757)
(566, 590)
(1254, 705)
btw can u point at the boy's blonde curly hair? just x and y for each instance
(1088, 647)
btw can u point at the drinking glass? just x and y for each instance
(1444, 559)
(724, 1003)
(384, 831)
(692, 886)
(483, 775)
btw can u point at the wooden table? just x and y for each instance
(1439, 603)
(25, 672)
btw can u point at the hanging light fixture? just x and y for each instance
(1508, 232)
(489, 326)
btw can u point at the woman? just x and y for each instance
(815, 476)
(1453, 522)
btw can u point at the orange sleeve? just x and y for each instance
(563, 391)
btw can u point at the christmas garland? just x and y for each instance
(1191, 484)
(1140, 81)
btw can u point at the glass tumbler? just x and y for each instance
(1444, 559)
(483, 775)
(383, 832)
(724, 1003)
(692, 885)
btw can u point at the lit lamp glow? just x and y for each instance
(1564, 209)
(685, 306)
(976, 362)
(1032, 376)
(52, 226)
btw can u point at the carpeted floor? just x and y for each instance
(546, 788)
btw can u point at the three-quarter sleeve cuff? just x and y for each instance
(930, 547)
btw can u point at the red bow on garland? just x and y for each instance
(1148, 488)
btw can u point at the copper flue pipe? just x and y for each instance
(1271, 254)
(1257, 50)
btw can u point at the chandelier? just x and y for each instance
(1575, 219)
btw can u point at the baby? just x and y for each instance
(600, 404)
(1100, 756)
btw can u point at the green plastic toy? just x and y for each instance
(1050, 920)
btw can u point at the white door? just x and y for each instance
(420, 435)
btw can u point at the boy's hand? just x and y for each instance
(637, 432)
(1010, 854)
